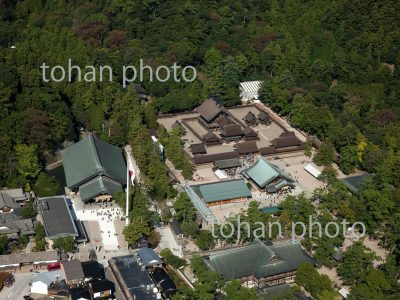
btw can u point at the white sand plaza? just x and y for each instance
(109, 217)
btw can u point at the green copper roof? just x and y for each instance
(197, 202)
(223, 190)
(270, 209)
(228, 163)
(353, 183)
(275, 291)
(267, 175)
(91, 157)
(99, 186)
(259, 260)
(278, 184)
(262, 172)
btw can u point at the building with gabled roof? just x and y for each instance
(250, 119)
(222, 121)
(247, 147)
(102, 289)
(354, 183)
(268, 176)
(163, 281)
(228, 163)
(203, 210)
(100, 185)
(73, 271)
(232, 132)
(209, 158)
(209, 110)
(41, 283)
(79, 293)
(94, 167)
(198, 148)
(13, 225)
(10, 261)
(132, 278)
(287, 139)
(57, 217)
(92, 270)
(7, 203)
(260, 264)
(211, 138)
(221, 192)
(250, 134)
(148, 257)
(18, 194)
(263, 118)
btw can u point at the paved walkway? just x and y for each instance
(108, 216)
(19, 288)
(168, 241)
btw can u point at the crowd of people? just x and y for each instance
(232, 172)
(249, 159)
(107, 212)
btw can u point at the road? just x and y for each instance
(19, 288)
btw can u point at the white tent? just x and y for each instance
(249, 90)
(312, 169)
(221, 174)
(344, 293)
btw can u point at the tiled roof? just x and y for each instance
(248, 132)
(232, 130)
(223, 121)
(207, 158)
(149, 257)
(49, 277)
(247, 147)
(7, 201)
(268, 150)
(209, 109)
(228, 163)
(259, 260)
(57, 218)
(223, 190)
(11, 223)
(198, 148)
(90, 157)
(31, 257)
(250, 118)
(210, 137)
(73, 270)
(262, 172)
(263, 116)
(200, 206)
(99, 185)
(286, 141)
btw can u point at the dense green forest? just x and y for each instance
(332, 67)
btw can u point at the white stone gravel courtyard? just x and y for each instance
(108, 218)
